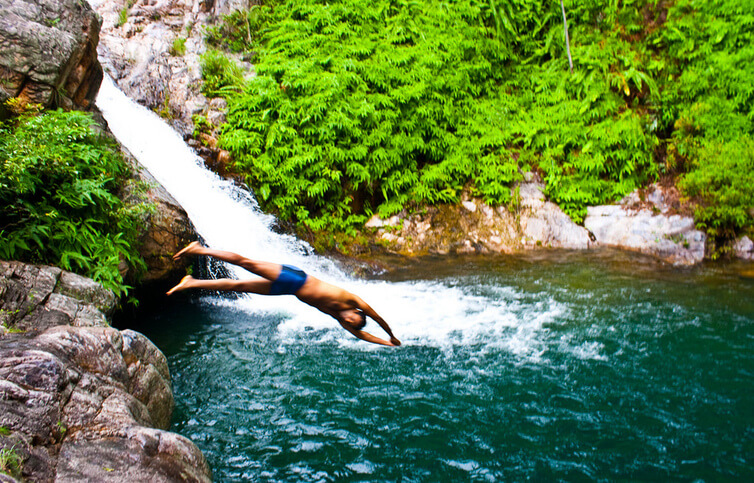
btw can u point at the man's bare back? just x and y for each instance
(348, 309)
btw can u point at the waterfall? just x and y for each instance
(227, 217)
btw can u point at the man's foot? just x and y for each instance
(185, 283)
(190, 248)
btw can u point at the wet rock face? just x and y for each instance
(137, 52)
(84, 403)
(167, 230)
(744, 248)
(48, 52)
(475, 227)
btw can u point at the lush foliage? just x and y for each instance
(372, 101)
(708, 106)
(58, 185)
(361, 107)
(723, 182)
(588, 132)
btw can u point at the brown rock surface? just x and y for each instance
(48, 52)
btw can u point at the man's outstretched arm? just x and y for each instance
(374, 315)
(366, 336)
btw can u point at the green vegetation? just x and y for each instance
(59, 181)
(241, 31)
(372, 107)
(221, 75)
(123, 13)
(10, 462)
(179, 47)
(708, 108)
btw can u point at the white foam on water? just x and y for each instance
(228, 218)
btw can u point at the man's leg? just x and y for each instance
(267, 270)
(259, 286)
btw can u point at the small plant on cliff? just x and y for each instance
(59, 184)
(10, 461)
(240, 31)
(220, 73)
(123, 14)
(179, 47)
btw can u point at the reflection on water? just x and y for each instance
(572, 366)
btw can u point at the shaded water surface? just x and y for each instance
(597, 366)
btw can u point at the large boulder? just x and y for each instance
(83, 403)
(38, 297)
(48, 52)
(744, 248)
(645, 222)
(543, 223)
(169, 230)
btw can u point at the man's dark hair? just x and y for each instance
(363, 319)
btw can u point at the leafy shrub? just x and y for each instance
(221, 74)
(708, 107)
(722, 180)
(58, 185)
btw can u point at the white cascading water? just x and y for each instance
(227, 218)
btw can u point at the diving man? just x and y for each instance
(348, 309)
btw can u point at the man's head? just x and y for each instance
(354, 317)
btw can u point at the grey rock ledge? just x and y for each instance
(79, 400)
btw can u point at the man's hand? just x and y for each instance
(395, 341)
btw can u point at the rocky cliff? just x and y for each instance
(167, 229)
(137, 50)
(79, 400)
(48, 53)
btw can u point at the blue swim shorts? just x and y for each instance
(289, 281)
